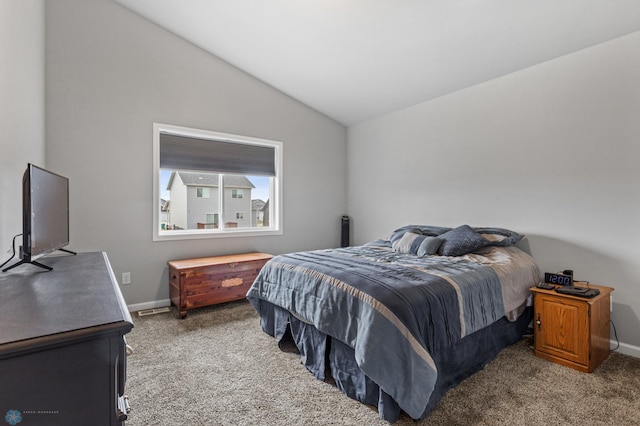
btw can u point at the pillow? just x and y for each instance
(420, 245)
(493, 238)
(398, 233)
(499, 236)
(460, 241)
(429, 246)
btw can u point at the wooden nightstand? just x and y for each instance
(194, 283)
(570, 330)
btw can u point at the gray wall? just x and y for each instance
(110, 75)
(550, 151)
(21, 108)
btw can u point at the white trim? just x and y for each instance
(212, 233)
(149, 305)
(275, 216)
(627, 349)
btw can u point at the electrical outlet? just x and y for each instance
(126, 278)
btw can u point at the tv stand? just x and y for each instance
(32, 262)
(36, 263)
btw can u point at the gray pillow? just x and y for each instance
(429, 246)
(500, 236)
(398, 233)
(419, 245)
(460, 241)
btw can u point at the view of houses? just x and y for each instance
(195, 202)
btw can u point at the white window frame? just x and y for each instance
(275, 197)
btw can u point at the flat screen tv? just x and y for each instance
(45, 215)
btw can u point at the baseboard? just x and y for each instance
(627, 349)
(149, 305)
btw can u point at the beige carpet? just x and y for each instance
(217, 367)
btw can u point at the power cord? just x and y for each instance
(14, 251)
(615, 333)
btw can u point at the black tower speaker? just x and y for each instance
(344, 240)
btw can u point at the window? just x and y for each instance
(212, 221)
(215, 184)
(203, 192)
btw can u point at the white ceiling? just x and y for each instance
(355, 60)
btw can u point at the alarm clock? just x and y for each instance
(561, 279)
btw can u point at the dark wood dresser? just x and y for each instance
(62, 346)
(204, 281)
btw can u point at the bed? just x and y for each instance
(397, 322)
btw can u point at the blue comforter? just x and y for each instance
(393, 309)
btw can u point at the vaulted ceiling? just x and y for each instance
(354, 60)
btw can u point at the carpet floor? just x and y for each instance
(217, 367)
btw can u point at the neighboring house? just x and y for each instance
(265, 217)
(194, 201)
(165, 214)
(257, 212)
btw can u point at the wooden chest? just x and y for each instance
(194, 283)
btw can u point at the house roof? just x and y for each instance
(257, 204)
(210, 179)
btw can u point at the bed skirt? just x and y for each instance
(330, 359)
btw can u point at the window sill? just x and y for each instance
(197, 235)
